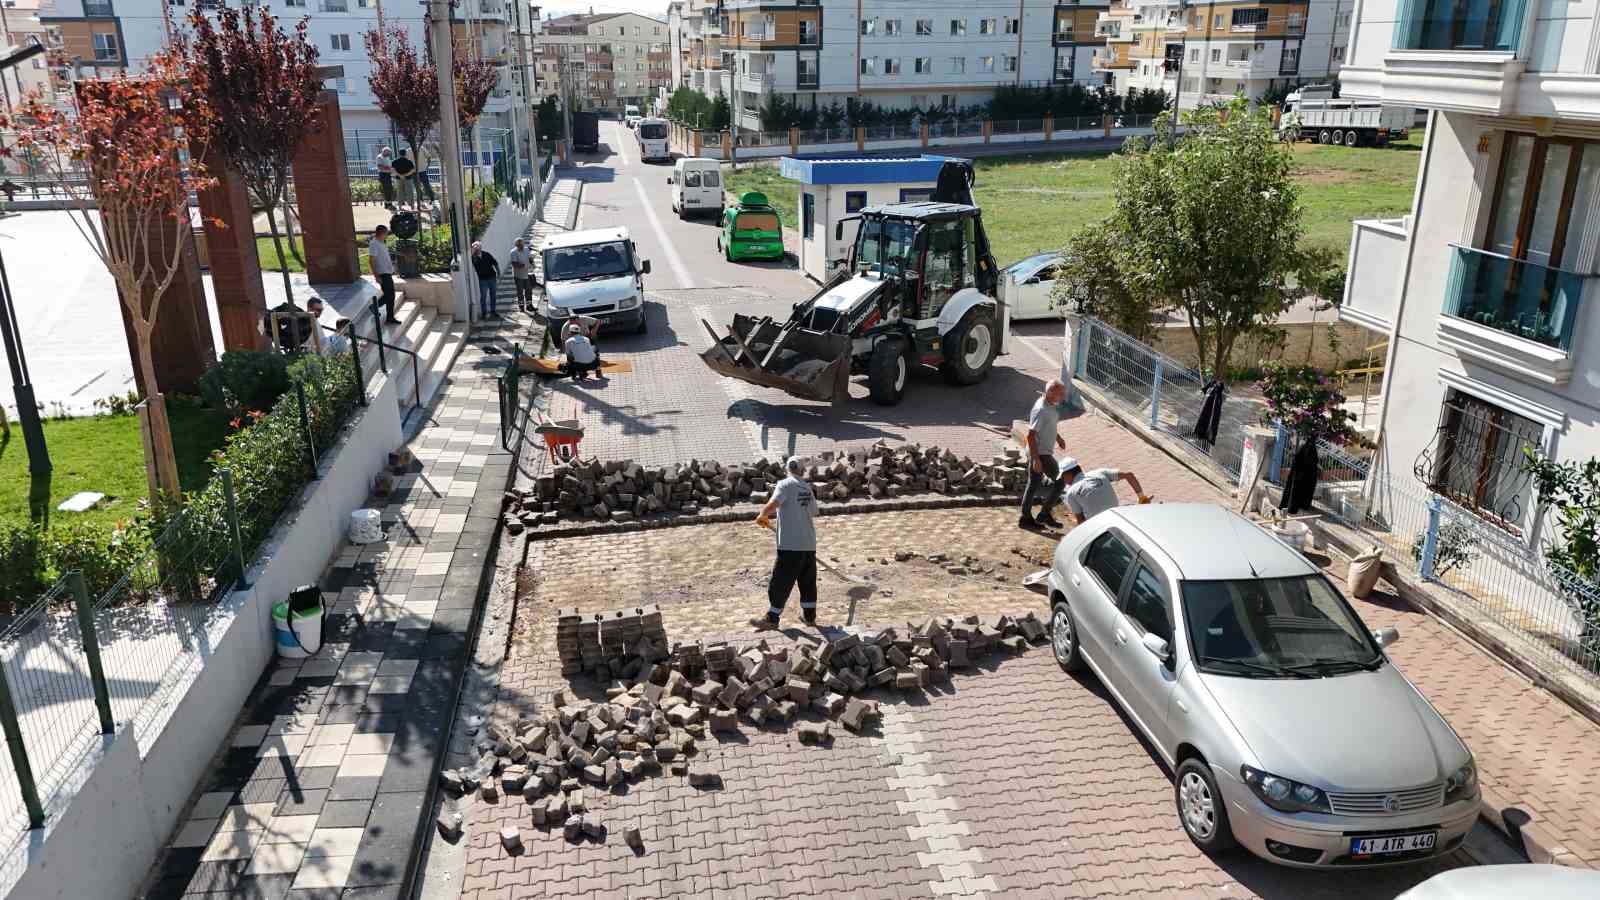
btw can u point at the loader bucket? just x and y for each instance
(813, 365)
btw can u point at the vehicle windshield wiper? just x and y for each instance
(1335, 666)
(1275, 671)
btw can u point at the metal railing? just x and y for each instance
(1515, 296)
(383, 346)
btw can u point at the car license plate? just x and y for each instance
(1393, 843)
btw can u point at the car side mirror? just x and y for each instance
(1157, 646)
(1386, 636)
(644, 267)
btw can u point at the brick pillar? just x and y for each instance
(1049, 127)
(794, 141)
(861, 140)
(1105, 123)
(180, 343)
(235, 265)
(988, 129)
(695, 140)
(727, 145)
(924, 135)
(322, 187)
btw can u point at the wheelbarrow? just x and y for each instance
(561, 436)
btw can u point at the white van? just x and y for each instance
(696, 187)
(630, 115)
(653, 139)
(595, 273)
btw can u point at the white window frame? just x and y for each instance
(1010, 63)
(988, 26)
(924, 28)
(986, 64)
(869, 65)
(923, 65)
(339, 42)
(892, 28)
(958, 65)
(1013, 25)
(958, 27)
(891, 65)
(112, 49)
(869, 27)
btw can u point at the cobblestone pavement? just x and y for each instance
(1013, 779)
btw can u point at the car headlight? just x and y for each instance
(1284, 794)
(628, 303)
(1462, 783)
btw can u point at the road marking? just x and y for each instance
(737, 391)
(622, 149)
(673, 259)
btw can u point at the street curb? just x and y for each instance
(749, 515)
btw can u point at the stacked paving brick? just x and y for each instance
(616, 644)
(652, 725)
(624, 491)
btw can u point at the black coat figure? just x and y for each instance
(1211, 411)
(1301, 485)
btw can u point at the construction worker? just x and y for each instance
(1044, 478)
(1094, 491)
(795, 506)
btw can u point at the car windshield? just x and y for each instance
(756, 221)
(653, 131)
(588, 261)
(1275, 628)
(885, 244)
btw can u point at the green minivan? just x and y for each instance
(751, 229)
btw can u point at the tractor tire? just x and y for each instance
(970, 348)
(888, 370)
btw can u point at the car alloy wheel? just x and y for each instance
(1061, 635)
(1198, 807)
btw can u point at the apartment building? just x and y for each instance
(694, 42)
(1486, 290)
(20, 26)
(96, 36)
(610, 60)
(1206, 52)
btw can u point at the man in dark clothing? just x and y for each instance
(488, 269)
(795, 508)
(383, 269)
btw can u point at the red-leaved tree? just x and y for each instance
(121, 157)
(476, 78)
(405, 83)
(261, 85)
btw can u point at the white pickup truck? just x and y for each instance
(1314, 114)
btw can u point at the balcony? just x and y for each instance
(1512, 314)
(756, 82)
(1460, 58)
(334, 6)
(97, 8)
(1372, 289)
(1449, 25)
(806, 81)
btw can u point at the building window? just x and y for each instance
(1216, 21)
(1216, 54)
(105, 47)
(341, 42)
(958, 27)
(1064, 27)
(891, 67)
(923, 65)
(869, 65)
(1289, 63)
(1475, 458)
(869, 27)
(808, 213)
(987, 26)
(891, 27)
(1194, 54)
(808, 31)
(1249, 19)
(986, 64)
(1338, 54)
(1012, 25)
(1344, 20)
(958, 65)
(854, 201)
(1011, 63)
(925, 27)
(947, 101)
(1297, 22)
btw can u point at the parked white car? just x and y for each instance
(1035, 277)
(595, 273)
(1544, 882)
(696, 187)
(1289, 730)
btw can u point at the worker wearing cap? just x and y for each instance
(796, 508)
(1094, 491)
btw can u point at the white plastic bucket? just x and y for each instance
(301, 638)
(366, 526)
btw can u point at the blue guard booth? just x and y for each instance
(831, 189)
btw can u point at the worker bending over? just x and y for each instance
(1094, 491)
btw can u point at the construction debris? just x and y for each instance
(666, 702)
(624, 491)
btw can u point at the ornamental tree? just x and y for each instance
(405, 83)
(121, 156)
(1210, 223)
(261, 86)
(476, 78)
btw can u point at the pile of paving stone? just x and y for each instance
(615, 644)
(624, 491)
(652, 726)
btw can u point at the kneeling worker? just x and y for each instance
(1094, 491)
(581, 356)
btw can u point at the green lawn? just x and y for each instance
(105, 454)
(269, 254)
(1033, 202)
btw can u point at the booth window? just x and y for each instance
(855, 201)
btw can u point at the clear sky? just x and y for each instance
(656, 9)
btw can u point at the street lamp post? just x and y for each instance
(21, 382)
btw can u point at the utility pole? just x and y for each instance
(438, 26)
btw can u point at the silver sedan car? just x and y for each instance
(1287, 728)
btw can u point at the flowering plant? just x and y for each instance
(1307, 402)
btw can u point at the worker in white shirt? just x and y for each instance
(383, 269)
(1092, 492)
(581, 356)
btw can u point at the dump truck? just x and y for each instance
(1314, 114)
(919, 288)
(585, 132)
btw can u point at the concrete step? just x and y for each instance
(455, 339)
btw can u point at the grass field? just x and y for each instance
(269, 254)
(105, 454)
(1034, 202)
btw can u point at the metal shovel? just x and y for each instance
(859, 590)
